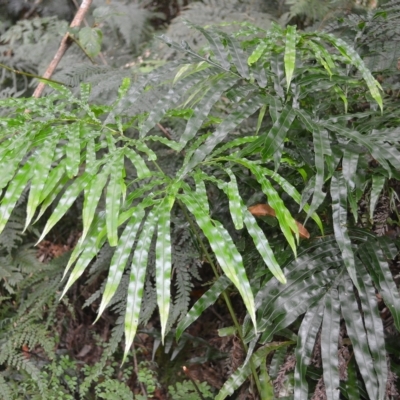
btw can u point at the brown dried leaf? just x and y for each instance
(262, 210)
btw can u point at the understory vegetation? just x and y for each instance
(203, 204)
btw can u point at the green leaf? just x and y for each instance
(376, 262)
(296, 299)
(90, 156)
(243, 372)
(164, 261)
(113, 199)
(339, 218)
(73, 150)
(235, 201)
(352, 381)
(277, 134)
(120, 258)
(290, 54)
(374, 328)
(232, 144)
(238, 55)
(262, 245)
(277, 68)
(321, 147)
(277, 361)
(219, 84)
(90, 39)
(293, 193)
(66, 201)
(205, 301)
(55, 176)
(89, 248)
(167, 142)
(358, 337)
(356, 60)
(378, 182)
(382, 150)
(243, 111)
(262, 47)
(199, 178)
(10, 161)
(174, 94)
(308, 332)
(14, 191)
(224, 249)
(138, 162)
(41, 168)
(286, 221)
(93, 193)
(136, 280)
(329, 344)
(56, 184)
(216, 45)
(349, 167)
(320, 53)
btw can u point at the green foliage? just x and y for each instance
(245, 118)
(22, 48)
(32, 319)
(62, 376)
(147, 377)
(187, 391)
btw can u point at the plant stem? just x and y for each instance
(65, 43)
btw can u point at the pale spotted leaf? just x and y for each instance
(234, 200)
(66, 201)
(120, 258)
(41, 168)
(113, 199)
(92, 245)
(73, 149)
(262, 245)
(92, 197)
(14, 191)
(164, 261)
(136, 280)
(290, 53)
(223, 247)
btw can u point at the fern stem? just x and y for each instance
(224, 295)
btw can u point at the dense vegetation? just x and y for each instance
(222, 200)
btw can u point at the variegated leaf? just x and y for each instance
(92, 197)
(15, 190)
(164, 261)
(113, 199)
(66, 201)
(339, 217)
(41, 169)
(136, 280)
(120, 258)
(73, 149)
(290, 54)
(205, 301)
(224, 249)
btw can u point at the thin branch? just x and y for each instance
(164, 131)
(16, 71)
(64, 45)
